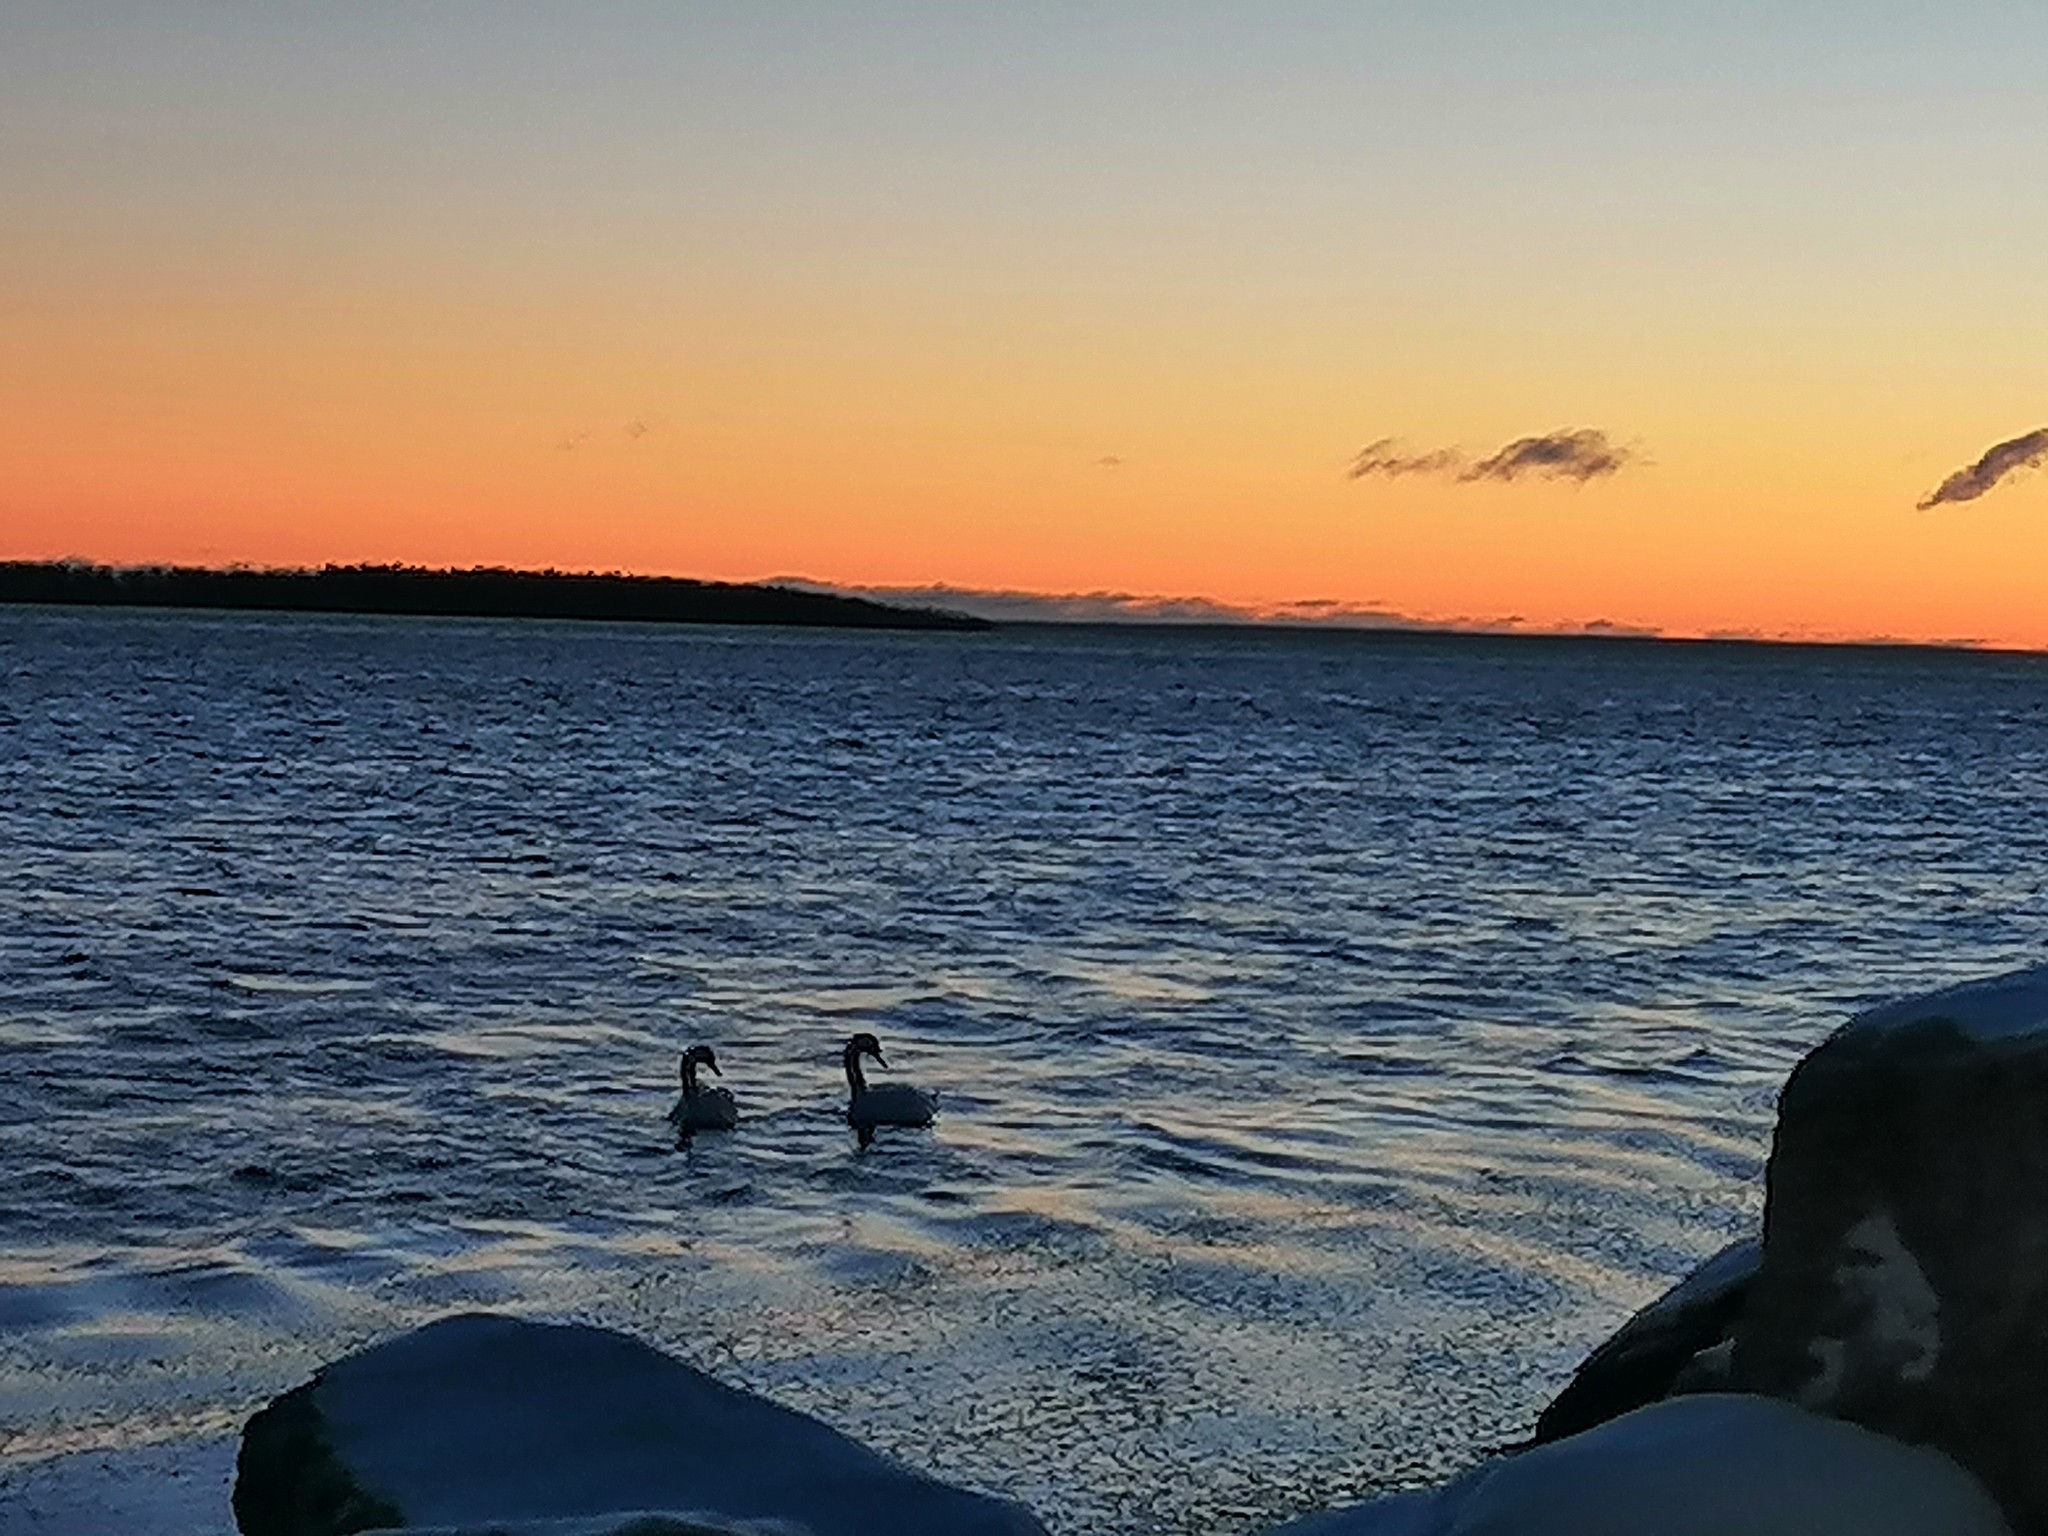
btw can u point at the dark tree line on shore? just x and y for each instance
(477, 593)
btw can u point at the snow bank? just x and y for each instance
(1718, 1464)
(2003, 1008)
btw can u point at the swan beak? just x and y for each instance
(714, 1069)
(880, 1059)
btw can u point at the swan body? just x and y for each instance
(700, 1108)
(887, 1104)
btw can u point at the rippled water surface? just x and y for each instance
(1336, 1035)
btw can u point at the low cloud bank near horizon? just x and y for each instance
(1011, 606)
(1570, 453)
(2000, 461)
(1007, 606)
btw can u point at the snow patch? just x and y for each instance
(2002, 1008)
(1709, 1465)
(1883, 1284)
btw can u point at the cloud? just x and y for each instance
(1577, 453)
(2027, 451)
(1319, 614)
(1384, 458)
(1007, 606)
(1109, 461)
(586, 437)
(1581, 454)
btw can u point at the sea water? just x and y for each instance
(1335, 1034)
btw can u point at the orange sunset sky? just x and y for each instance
(1060, 298)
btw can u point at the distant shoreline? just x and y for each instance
(491, 592)
(477, 593)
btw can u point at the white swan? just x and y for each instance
(890, 1104)
(703, 1109)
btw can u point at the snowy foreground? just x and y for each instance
(479, 1425)
(1706, 1466)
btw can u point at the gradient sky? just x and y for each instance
(869, 293)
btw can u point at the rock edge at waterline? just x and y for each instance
(479, 1420)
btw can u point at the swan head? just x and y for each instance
(697, 1056)
(864, 1045)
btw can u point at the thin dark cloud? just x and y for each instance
(1385, 458)
(2027, 451)
(1109, 461)
(1578, 453)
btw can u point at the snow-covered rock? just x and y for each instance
(476, 1421)
(1678, 1343)
(1717, 1464)
(1904, 1283)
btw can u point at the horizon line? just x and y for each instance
(1108, 609)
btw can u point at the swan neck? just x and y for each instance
(856, 1083)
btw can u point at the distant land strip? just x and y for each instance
(478, 593)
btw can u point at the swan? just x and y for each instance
(703, 1109)
(890, 1104)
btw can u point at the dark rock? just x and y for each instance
(1904, 1283)
(289, 1481)
(1678, 1343)
(477, 1422)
